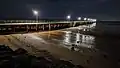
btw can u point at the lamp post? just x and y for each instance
(35, 12)
(68, 18)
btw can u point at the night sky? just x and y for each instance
(59, 9)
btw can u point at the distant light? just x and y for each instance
(79, 18)
(68, 17)
(89, 19)
(85, 19)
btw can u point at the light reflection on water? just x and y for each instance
(74, 38)
(70, 37)
(67, 38)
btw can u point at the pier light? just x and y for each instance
(88, 19)
(68, 17)
(35, 12)
(79, 18)
(85, 19)
(94, 20)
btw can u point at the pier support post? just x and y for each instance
(43, 26)
(27, 28)
(49, 27)
(74, 24)
(49, 31)
(13, 28)
(36, 27)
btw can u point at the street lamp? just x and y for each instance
(79, 18)
(68, 17)
(85, 19)
(89, 19)
(35, 12)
